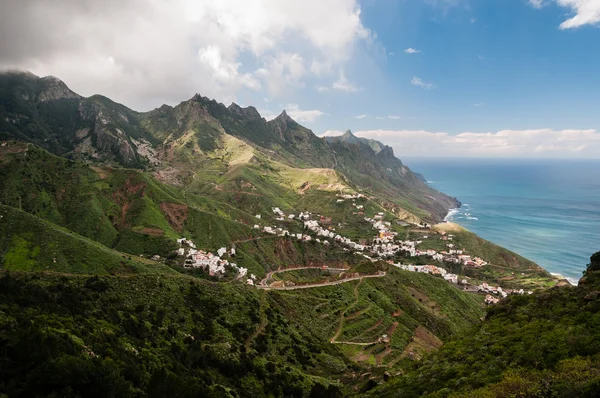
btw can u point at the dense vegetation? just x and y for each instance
(157, 335)
(539, 345)
(151, 336)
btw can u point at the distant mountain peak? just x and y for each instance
(283, 116)
(249, 112)
(349, 138)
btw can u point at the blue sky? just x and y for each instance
(429, 77)
(495, 65)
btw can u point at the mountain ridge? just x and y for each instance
(98, 129)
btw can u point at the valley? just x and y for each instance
(202, 250)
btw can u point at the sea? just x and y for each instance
(547, 210)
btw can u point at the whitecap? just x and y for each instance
(572, 281)
(451, 214)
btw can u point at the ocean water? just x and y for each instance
(545, 210)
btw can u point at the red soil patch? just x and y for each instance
(176, 214)
(7, 148)
(392, 329)
(125, 195)
(423, 341)
(375, 326)
(398, 312)
(151, 231)
(428, 338)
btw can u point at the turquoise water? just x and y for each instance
(545, 210)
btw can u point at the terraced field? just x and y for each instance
(377, 328)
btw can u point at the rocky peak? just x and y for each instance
(54, 89)
(284, 118)
(386, 152)
(282, 123)
(249, 112)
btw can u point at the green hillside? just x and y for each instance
(123, 209)
(539, 345)
(180, 336)
(28, 243)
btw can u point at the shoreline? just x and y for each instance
(451, 212)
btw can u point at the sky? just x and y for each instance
(506, 78)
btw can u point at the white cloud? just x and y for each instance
(412, 51)
(473, 20)
(536, 3)
(479, 104)
(420, 83)
(342, 84)
(524, 143)
(481, 57)
(360, 116)
(164, 51)
(300, 115)
(587, 12)
(282, 71)
(394, 117)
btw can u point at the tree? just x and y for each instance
(594, 264)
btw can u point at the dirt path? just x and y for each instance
(270, 274)
(342, 315)
(354, 278)
(380, 358)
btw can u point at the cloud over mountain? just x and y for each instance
(144, 53)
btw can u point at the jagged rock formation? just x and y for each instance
(44, 111)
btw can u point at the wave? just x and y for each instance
(472, 218)
(572, 281)
(451, 214)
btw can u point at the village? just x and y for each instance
(383, 247)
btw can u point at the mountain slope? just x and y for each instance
(544, 344)
(179, 143)
(350, 138)
(120, 208)
(28, 243)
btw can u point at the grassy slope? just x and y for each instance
(28, 243)
(119, 208)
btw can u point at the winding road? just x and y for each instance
(263, 283)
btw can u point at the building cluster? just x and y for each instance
(350, 196)
(384, 246)
(212, 263)
(314, 227)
